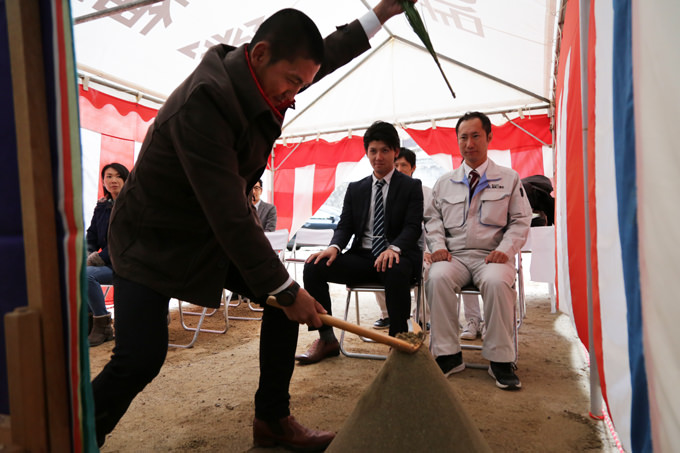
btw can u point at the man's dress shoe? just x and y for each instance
(318, 351)
(288, 433)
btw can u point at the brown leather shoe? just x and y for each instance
(318, 351)
(288, 433)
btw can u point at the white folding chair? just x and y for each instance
(278, 240)
(226, 296)
(520, 312)
(416, 287)
(309, 238)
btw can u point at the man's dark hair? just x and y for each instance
(260, 181)
(383, 132)
(122, 171)
(409, 155)
(290, 34)
(486, 123)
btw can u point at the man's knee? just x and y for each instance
(436, 272)
(313, 272)
(495, 285)
(399, 273)
(438, 276)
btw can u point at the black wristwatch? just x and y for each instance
(286, 297)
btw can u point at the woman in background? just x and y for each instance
(99, 271)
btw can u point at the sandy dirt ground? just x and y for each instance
(203, 398)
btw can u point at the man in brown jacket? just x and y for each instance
(184, 227)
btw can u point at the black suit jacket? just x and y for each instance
(403, 216)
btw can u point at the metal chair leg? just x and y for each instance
(356, 355)
(203, 314)
(368, 288)
(470, 347)
(196, 331)
(250, 306)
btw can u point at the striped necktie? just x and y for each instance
(379, 243)
(474, 179)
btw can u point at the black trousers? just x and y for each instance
(356, 267)
(142, 344)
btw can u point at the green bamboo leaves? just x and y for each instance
(419, 28)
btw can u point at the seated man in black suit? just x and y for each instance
(383, 212)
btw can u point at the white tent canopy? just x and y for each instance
(498, 56)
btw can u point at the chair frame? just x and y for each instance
(519, 313)
(250, 306)
(309, 237)
(226, 296)
(416, 286)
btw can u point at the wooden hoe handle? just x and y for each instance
(329, 320)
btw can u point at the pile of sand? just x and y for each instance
(410, 406)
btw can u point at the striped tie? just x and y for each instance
(379, 242)
(474, 179)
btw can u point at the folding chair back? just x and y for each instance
(312, 237)
(309, 237)
(278, 240)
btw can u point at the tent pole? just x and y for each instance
(359, 127)
(109, 81)
(524, 130)
(476, 71)
(337, 82)
(595, 389)
(114, 10)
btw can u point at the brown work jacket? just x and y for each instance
(183, 222)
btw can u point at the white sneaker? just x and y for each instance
(471, 330)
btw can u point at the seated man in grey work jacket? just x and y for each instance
(477, 221)
(266, 212)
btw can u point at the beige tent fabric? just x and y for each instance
(410, 406)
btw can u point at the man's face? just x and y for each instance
(282, 80)
(402, 166)
(473, 142)
(381, 158)
(257, 193)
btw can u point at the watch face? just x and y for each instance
(285, 298)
